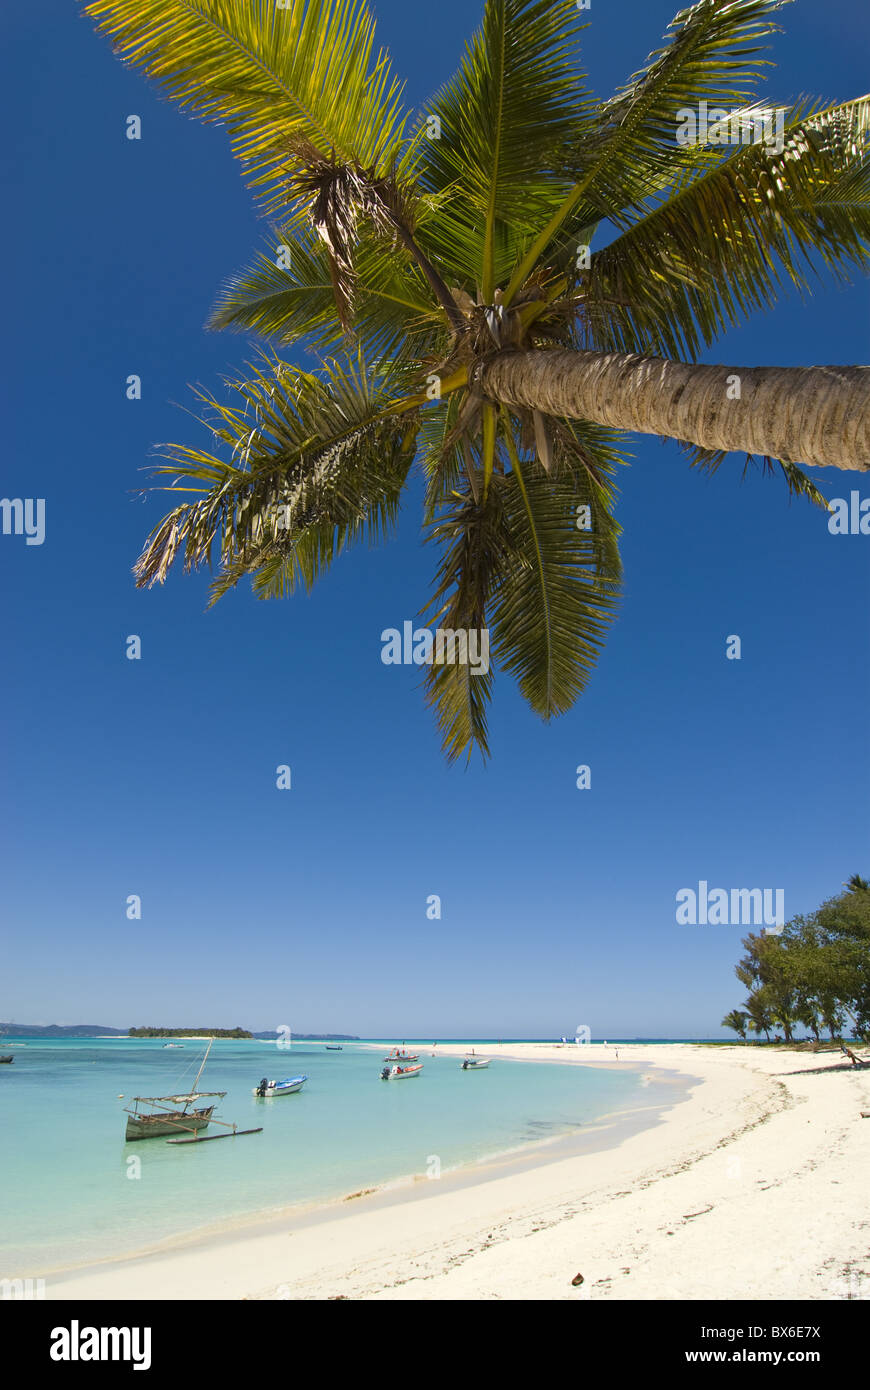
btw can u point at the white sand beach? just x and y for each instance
(753, 1186)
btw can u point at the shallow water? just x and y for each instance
(71, 1195)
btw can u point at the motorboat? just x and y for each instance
(267, 1089)
(398, 1073)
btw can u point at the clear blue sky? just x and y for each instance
(157, 777)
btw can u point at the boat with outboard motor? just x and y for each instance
(397, 1073)
(267, 1090)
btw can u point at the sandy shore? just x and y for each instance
(752, 1187)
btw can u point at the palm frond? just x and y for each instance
(799, 483)
(713, 53)
(316, 462)
(287, 295)
(724, 245)
(508, 118)
(271, 73)
(468, 533)
(552, 607)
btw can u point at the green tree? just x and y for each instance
(857, 884)
(737, 1020)
(440, 266)
(764, 970)
(757, 1007)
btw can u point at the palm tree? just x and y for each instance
(857, 884)
(760, 1016)
(737, 1020)
(440, 267)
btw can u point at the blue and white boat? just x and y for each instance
(267, 1089)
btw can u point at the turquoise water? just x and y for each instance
(68, 1195)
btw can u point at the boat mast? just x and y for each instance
(202, 1069)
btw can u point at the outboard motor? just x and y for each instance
(261, 1089)
(385, 1074)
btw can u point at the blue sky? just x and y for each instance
(157, 777)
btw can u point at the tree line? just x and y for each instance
(814, 974)
(189, 1033)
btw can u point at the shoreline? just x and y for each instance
(642, 1111)
(700, 1204)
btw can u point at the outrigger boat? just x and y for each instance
(399, 1073)
(182, 1124)
(267, 1089)
(399, 1055)
(475, 1063)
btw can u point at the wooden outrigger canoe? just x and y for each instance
(182, 1124)
(158, 1123)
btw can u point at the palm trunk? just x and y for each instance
(810, 415)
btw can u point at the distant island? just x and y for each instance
(270, 1035)
(56, 1030)
(97, 1030)
(189, 1033)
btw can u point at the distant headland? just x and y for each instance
(96, 1030)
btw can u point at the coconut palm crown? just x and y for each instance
(494, 290)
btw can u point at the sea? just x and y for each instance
(74, 1193)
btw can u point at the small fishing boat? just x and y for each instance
(475, 1063)
(331, 1048)
(177, 1118)
(267, 1089)
(10, 1058)
(399, 1055)
(397, 1073)
(181, 1045)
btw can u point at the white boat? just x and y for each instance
(288, 1087)
(475, 1063)
(398, 1073)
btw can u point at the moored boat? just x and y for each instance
(399, 1055)
(288, 1087)
(10, 1058)
(177, 1118)
(334, 1048)
(397, 1073)
(162, 1122)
